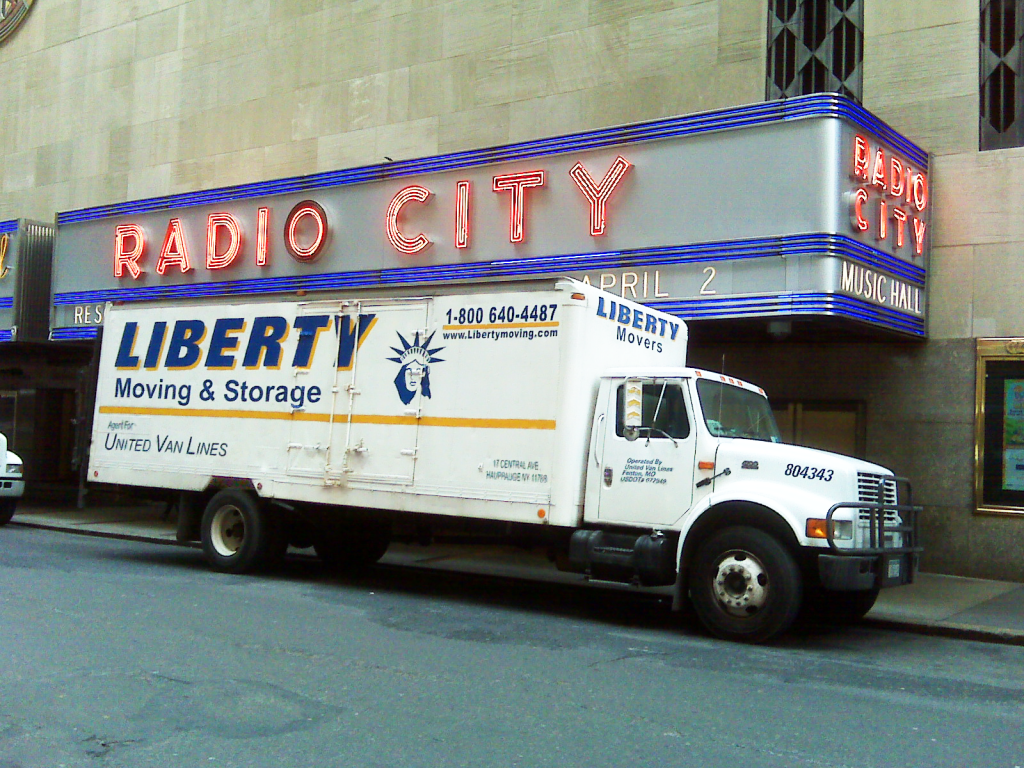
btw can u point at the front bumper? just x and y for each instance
(11, 488)
(877, 564)
(846, 573)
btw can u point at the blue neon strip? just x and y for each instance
(714, 309)
(765, 113)
(6, 303)
(6, 334)
(74, 334)
(7, 227)
(793, 304)
(792, 245)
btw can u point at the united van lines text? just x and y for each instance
(163, 444)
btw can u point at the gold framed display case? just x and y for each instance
(999, 427)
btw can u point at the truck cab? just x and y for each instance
(745, 526)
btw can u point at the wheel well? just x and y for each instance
(191, 504)
(739, 513)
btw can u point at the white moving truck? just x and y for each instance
(553, 411)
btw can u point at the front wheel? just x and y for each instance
(745, 585)
(7, 507)
(239, 534)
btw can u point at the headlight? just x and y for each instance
(843, 529)
(13, 469)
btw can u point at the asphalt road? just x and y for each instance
(116, 653)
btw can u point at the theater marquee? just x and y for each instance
(803, 208)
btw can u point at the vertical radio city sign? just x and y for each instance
(765, 210)
(896, 193)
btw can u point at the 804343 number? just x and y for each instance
(809, 473)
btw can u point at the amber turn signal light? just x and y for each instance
(705, 465)
(817, 529)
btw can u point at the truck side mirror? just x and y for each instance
(633, 412)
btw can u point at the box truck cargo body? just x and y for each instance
(556, 410)
(448, 404)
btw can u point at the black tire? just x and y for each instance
(829, 606)
(745, 585)
(239, 534)
(353, 548)
(7, 507)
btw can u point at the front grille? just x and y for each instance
(867, 490)
(867, 487)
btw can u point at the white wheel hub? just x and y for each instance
(741, 584)
(227, 530)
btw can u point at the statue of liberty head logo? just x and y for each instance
(415, 359)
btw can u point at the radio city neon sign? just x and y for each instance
(306, 227)
(895, 193)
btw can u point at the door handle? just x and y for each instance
(598, 438)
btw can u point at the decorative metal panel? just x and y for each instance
(1002, 25)
(815, 46)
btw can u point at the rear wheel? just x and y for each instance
(745, 585)
(239, 534)
(7, 507)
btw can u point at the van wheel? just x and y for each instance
(745, 585)
(353, 548)
(239, 534)
(7, 507)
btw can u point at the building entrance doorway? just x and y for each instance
(829, 426)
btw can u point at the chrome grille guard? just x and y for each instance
(877, 511)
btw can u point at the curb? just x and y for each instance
(971, 632)
(104, 534)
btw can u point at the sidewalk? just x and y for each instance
(974, 609)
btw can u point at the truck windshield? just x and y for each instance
(735, 412)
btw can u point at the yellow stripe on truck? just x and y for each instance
(426, 421)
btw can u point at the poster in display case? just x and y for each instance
(999, 436)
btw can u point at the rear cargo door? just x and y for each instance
(383, 373)
(313, 381)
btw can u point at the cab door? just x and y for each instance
(648, 481)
